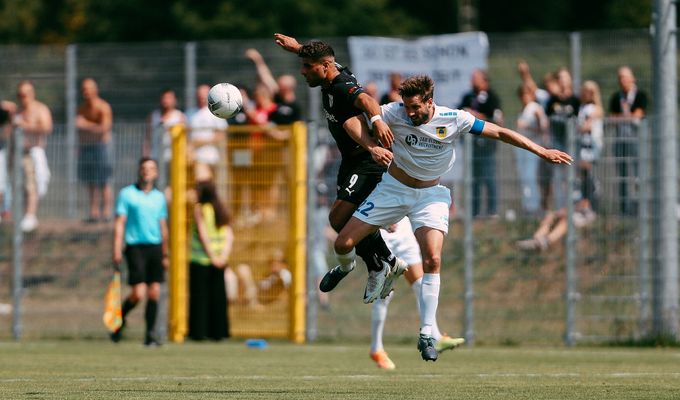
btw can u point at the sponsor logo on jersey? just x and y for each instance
(448, 114)
(412, 140)
(440, 131)
(353, 89)
(423, 142)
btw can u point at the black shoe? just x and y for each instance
(426, 347)
(118, 334)
(332, 278)
(151, 341)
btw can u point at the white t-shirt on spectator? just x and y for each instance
(203, 128)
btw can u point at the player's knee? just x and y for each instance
(431, 264)
(343, 244)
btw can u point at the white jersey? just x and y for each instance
(427, 151)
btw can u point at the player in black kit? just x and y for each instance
(363, 162)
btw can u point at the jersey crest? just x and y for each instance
(441, 132)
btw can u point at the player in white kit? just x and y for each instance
(400, 240)
(423, 148)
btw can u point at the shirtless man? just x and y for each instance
(35, 119)
(94, 123)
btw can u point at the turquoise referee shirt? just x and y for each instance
(144, 213)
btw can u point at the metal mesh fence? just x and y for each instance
(518, 296)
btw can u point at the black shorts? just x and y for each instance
(357, 181)
(145, 263)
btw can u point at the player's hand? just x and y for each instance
(381, 155)
(383, 133)
(287, 43)
(166, 262)
(557, 157)
(117, 258)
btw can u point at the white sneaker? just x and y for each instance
(399, 267)
(375, 283)
(29, 223)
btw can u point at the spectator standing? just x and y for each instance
(628, 106)
(35, 119)
(532, 123)
(590, 129)
(94, 122)
(211, 245)
(551, 86)
(560, 109)
(393, 93)
(483, 104)
(206, 131)
(159, 123)
(141, 223)
(283, 89)
(371, 88)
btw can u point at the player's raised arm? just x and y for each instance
(493, 131)
(381, 131)
(287, 43)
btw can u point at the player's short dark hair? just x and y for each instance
(421, 85)
(145, 159)
(316, 50)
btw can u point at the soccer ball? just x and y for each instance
(224, 100)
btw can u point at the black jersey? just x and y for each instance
(338, 106)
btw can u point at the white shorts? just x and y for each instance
(402, 242)
(391, 200)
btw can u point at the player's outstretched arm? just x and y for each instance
(357, 129)
(493, 131)
(287, 43)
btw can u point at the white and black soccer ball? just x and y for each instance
(224, 100)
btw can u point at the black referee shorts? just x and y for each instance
(145, 263)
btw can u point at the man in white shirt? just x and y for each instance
(423, 148)
(206, 130)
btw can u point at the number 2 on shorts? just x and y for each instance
(365, 207)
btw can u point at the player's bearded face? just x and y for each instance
(313, 71)
(418, 111)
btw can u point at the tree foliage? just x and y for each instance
(63, 21)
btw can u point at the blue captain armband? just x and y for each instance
(477, 127)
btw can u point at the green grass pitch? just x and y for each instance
(102, 370)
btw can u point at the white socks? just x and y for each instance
(416, 287)
(429, 299)
(347, 261)
(378, 317)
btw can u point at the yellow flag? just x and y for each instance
(113, 313)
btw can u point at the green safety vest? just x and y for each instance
(216, 236)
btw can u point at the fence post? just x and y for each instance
(468, 245)
(189, 76)
(298, 231)
(314, 113)
(575, 47)
(17, 237)
(571, 295)
(643, 226)
(665, 240)
(177, 321)
(71, 107)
